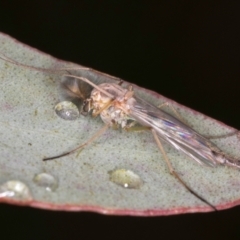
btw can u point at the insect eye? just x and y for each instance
(87, 106)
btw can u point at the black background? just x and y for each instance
(186, 50)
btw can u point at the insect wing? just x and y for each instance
(173, 131)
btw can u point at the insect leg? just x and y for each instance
(107, 105)
(132, 128)
(166, 104)
(120, 82)
(90, 83)
(95, 136)
(235, 132)
(174, 173)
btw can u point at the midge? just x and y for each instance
(119, 107)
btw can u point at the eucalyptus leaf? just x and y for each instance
(121, 173)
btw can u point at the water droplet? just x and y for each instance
(16, 190)
(67, 110)
(125, 178)
(46, 181)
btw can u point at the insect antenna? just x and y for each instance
(61, 72)
(48, 70)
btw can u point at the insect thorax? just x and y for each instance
(116, 109)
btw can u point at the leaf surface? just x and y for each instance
(30, 130)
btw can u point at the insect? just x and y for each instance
(119, 107)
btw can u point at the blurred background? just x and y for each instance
(185, 50)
